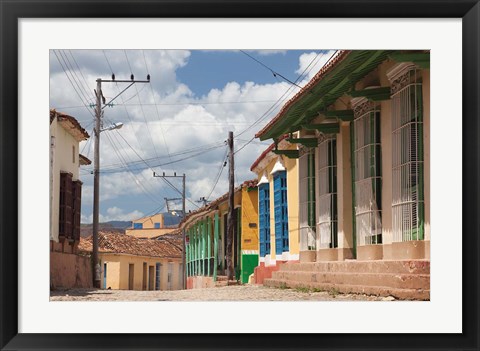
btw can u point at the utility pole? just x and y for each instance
(96, 186)
(230, 218)
(96, 269)
(184, 273)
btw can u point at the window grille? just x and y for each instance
(307, 199)
(407, 158)
(264, 218)
(281, 212)
(367, 174)
(327, 194)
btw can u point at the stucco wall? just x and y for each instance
(291, 166)
(63, 160)
(148, 233)
(249, 214)
(70, 271)
(149, 222)
(118, 271)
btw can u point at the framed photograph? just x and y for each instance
(370, 75)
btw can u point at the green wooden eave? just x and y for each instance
(376, 94)
(325, 128)
(344, 115)
(335, 83)
(308, 142)
(422, 59)
(287, 153)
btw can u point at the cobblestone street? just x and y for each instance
(227, 293)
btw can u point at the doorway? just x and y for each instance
(144, 282)
(130, 276)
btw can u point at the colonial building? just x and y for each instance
(359, 136)
(129, 263)
(277, 207)
(154, 225)
(206, 238)
(65, 202)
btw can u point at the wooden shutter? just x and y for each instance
(76, 211)
(65, 215)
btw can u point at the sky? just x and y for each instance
(178, 122)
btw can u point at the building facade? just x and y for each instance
(67, 269)
(65, 185)
(129, 263)
(155, 225)
(206, 238)
(361, 131)
(277, 208)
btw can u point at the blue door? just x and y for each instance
(281, 212)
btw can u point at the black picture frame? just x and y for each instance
(11, 11)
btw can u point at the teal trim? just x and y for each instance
(209, 244)
(308, 142)
(287, 153)
(326, 128)
(376, 94)
(216, 232)
(344, 115)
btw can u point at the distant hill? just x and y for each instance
(112, 226)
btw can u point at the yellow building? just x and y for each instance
(277, 207)
(206, 244)
(129, 263)
(153, 226)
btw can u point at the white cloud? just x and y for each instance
(114, 214)
(179, 127)
(310, 63)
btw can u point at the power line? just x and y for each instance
(222, 166)
(74, 75)
(129, 171)
(275, 74)
(73, 86)
(141, 108)
(81, 73)
(298, 78)
(183, 103)
(156, 107)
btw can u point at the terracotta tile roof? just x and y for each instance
(108, 242)
(72, 120)
(340, 56)
(84, 160)
(214, 203)
(250, 183)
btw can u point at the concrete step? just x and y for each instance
(352, 266)
(393, 280)
(402, 294)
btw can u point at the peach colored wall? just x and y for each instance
(148, 233)
(118, 271)
(70, 271)
(149, 222)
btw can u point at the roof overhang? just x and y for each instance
(324, 89)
